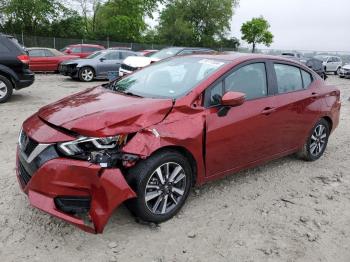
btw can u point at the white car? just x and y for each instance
(345, 71)
(133, 63)
(331, 63)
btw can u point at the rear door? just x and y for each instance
(245, 134)
(37, 60)
(297, 105)
(51, 61)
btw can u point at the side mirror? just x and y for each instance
(68, 51)
(233, 99)
(102, 59)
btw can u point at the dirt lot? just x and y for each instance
(287, 210)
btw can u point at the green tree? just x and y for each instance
(123, 20)
(195, 22)
(256, 31)
(31, 17)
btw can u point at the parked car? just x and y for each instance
(295, 56)
(331, 63)
(14, 67)
(344, 72)
(317, 66)
(46, 59)
(134, 63)
(147, 138)
(95, 66)
(82, 50)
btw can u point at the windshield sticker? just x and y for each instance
(211, 62)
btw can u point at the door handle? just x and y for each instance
(268, 110)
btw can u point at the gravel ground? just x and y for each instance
(287, 210)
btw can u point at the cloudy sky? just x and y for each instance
(321, 25)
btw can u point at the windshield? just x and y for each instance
(323, 58)
(96, 54)
(169, 79)
(166, 53)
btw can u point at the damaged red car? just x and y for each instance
(147, 138)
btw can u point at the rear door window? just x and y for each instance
(289, 78)
(37, 53)
(3, 48)
(307, 78)
(126, 54)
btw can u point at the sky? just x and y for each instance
(320, 25)
(306, 25)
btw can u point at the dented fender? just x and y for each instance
(175, 131)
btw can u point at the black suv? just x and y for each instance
(14, 67)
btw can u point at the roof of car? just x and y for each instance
(91, 45)
(242, 56)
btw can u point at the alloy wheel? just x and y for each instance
(3, 89)
(165, 188)
(87, 75)
(318, 140)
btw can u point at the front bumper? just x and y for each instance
(344, 73)
(68, 70)
(79, 192)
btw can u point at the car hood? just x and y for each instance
(77, 60)
(99, 112)
(139, 61)
(347, 66)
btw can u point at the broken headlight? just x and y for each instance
(84, 145)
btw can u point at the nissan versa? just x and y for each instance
(147, 138)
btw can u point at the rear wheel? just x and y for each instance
(6, 89)
(86, 74)
(317, 141)
(162, 184)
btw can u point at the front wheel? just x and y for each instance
(162, 184)
(6, 89)
(337, 72)
(86, 74)
(317, 141)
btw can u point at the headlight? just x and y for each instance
(89, 144)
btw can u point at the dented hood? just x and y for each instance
(100, 112)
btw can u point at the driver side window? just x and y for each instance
(250, 80)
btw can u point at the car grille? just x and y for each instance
(27, 144)
(128, 68)
(24, 176)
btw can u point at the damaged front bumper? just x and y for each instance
(79, 192)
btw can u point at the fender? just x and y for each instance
(9, 73)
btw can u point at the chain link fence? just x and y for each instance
(59, 43)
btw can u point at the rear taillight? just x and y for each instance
(23, 58)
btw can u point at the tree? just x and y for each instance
(195, 22)
(123, 20)
(256, 32)
(31, 17)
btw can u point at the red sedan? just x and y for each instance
(46, 59)
(147, 138)
(82, 50)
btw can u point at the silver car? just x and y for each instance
(96, 66)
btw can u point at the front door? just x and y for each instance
(246, 133)
(110, 62)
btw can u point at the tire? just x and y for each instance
(317, 141)
(6, 89)
(337, 72)
(341, 76)
(145, 181)
(86, 74)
